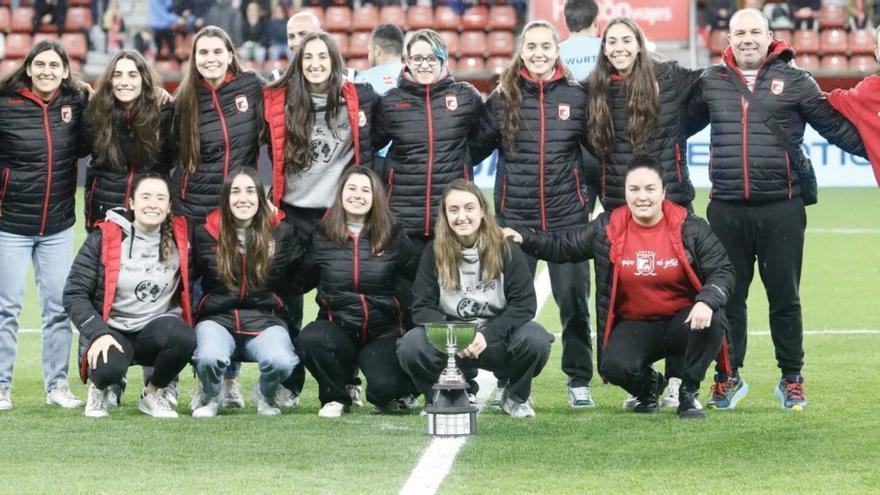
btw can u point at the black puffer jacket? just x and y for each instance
(357, 289)
(539, 181)
(39, 147)
(108, 188)
(668, 143)
(747, 162)
(698, 250)
(429, 127)
(247, 310)
(230, 122)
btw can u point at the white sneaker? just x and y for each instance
(630, 402)
(171, 394)
(60, 395)
(354, 391)
(670, 395)
(5, 398)
(580, 398)
(230, 395)
(265, 405)
(97, 402)
(407, 402)
(332, 410)
(156, 406)
(285, 398)
(196, 401)
(517, 409)
(207, 409)
(497, 397)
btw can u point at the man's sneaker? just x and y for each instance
(97, 402)
(790, 392)
(517, 409)
(727, 391)
(206, 408)
(156, 406)
(5, 398)
(196, 401)
(265, 405)
(285, 398)
(171, 394)
(688, 405)
(332, 410)
(497, 397)
(354, 391)
(649, 396)
(230, 394)
(580, 397)
(407, 402)
(60, 395)
(670, 395)
(630, 402)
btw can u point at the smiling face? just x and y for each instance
(317, 65)
(621, 47)
(423, 64)
(126, 82)
(357, 198)
(212, 59)
(244, 200)
(644, 196)
(464, 216)
(539, 52)
(749, 38)
(151, 204)
(46, 71)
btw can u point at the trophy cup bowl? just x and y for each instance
(451, 413)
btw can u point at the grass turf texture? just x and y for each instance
(831, 447)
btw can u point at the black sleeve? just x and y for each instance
(81, 286)
(167, 141)
(379, 133)
(566, 246)
(697, 111)
(308, 275)
(487, 135)
(716, 269)
(519, 292)
(426, 291)
(409, 256)
(818, 112)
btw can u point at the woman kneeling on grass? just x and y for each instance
(244, 254)
(662, 281)
(128, 294)
(470, 273)
(357, 256)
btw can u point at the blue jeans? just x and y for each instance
(272, 350)
(51, 256)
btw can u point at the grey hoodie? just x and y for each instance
(477, 300)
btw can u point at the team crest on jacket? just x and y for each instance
(645, 263)
(776, 86)
(362, 118)
(451, 102)
(241, 103)
(564, 111)
(66, 114)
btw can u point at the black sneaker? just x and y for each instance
(688, 406)
(652, 389)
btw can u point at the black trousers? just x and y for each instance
(570, 284)
(635, 345)
(332, 356)
(520, 358)
(772, 233)
(166, 343)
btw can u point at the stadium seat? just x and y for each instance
(806, 41)
(452, 65)
(471, 64)
(7, 65)
(392, 14)
(75, 44)
(337, 19)
(80, 3)
(863, 63)
(18, 45)
(861, 42)
(445, 18)
(318, 11)
(358, 64)
(183, 46)
(497, 64)
(450, 38)
(499, 43)
(5, 20)
(419, 18)
(365, 18)
(38, 37)
(833, 42)
(166, 66)
(75, 66)
(784, 35)
(475, 18)
(359, 44)
(271, 65)
(21, 20)
(835, 63)
(717, 41)
(472, 43)
(341, 43)
(807, 61)
(78, 18)
(832, 16)
(502, 17)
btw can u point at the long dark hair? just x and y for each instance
(299, 112)
(186, 102)
(19, 79)
(167, 229)
(640, 87)
(380, 220)
(260, 243)
(123, 138)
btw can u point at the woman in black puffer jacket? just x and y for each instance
(356, 256)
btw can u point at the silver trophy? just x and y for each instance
(451, 413)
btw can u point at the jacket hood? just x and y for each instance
(212, 222)
(120, 216)
(407, 82)
(558, 74)
(777, 49)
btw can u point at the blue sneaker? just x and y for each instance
(790, 392)
(727, 391)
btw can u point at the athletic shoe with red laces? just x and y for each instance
(790, 393)
(726, 392)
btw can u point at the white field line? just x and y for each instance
(844, 231)
(807, 333)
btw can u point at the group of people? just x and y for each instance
(192, 259)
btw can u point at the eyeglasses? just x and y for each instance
(417, 60)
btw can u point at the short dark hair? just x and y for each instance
(645, 161)
(580, 14)
(389, 37)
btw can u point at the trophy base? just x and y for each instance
(451, 414)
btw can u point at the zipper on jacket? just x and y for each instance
(128, 183)
(244, 279)
(577, 187)
(366, 323)
(225, 132)
(3, 190)
(356, 264)
(327, 307)
(430, 160)
(237, 317)
(503, 194)
(745, 147)
(541, 157)
(90, 201)
(788, 172)
(185, 185)
(678, 162)
(602, 165)
(390, 186)
(399, 313)
(49, 174)
(711, 157)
